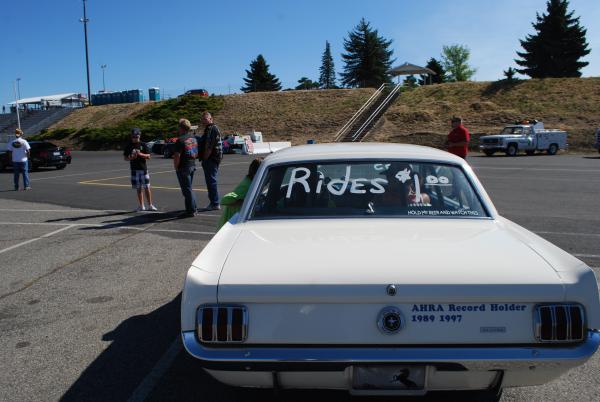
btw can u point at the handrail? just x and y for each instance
(349, 123)
(375, 113)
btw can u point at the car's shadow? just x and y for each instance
(127, 219)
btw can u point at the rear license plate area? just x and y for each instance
(389, 378)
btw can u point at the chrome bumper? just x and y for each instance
(470, 358)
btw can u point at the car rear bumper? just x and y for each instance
(488, 357)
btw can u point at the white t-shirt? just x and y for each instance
(19, 148)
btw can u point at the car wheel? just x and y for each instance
(60, 167)
(166, 154)
(530, 152)
(553, 149)
(512, 150)
(488, 152)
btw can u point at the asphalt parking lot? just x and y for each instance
(89, 297)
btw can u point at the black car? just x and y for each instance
(42, 154)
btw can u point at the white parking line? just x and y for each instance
(570, 234)
(536, 169)
(36, 239)
(587, 255)
(12, 210)
(98, 225)
(158, 371)
(78, 174)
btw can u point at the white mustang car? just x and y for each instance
(371, 268)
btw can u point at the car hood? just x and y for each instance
(356, 259)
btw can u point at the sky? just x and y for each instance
(184, 44)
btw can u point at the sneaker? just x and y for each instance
(152, 208)
(140, 209)
(27, 188)
(212, 207)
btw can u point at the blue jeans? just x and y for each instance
(211, 168)
(18, 168)
(185, 177)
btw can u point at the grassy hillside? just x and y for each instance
(422, 115)
(418, 116)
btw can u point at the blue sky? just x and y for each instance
(178, 45)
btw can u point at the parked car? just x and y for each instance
(196, 92)
(42, 154)
(597, 143)
(374, 268)
(528, 137)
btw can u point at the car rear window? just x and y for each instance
(359, 188)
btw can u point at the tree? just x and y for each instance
(306, 83)
(410, 82)
(556, 47)
(367, 58)
(259, 79)
(327, 77)
(510, 74)
(440, 73)
(454, 61)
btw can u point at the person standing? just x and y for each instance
(458, 138)
(184, 155)
(211, 154)
(136, 152)
(233, 201)
(18, 150)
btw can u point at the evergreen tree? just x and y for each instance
(556, 47)
(306, 83)
(259, 79)
(440, 73)
(455, 61)
(327, 77)
(510, 74)
(367, 58)
(410, 82)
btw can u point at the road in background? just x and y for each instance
(89, 297)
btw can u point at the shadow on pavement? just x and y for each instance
(137, 344)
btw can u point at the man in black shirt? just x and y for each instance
(211, 153)
(136, 152)
(184, 156)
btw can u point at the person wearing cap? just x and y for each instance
(458, 138)
(19, 154)
(136, 152)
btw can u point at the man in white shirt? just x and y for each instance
(18, 150)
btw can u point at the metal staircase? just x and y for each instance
(357, 128)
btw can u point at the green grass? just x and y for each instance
(159, 121)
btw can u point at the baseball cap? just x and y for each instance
(136, 132)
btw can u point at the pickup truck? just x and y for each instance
(529, 137)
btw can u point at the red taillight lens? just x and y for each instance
(67, 152)
(43, 154)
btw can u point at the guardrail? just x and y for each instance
(375, 113)
(343, 131)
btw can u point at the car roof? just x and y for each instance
(360, 150)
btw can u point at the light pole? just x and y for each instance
(19, 88)
(17, 102)
(103, 67)
(87, 59)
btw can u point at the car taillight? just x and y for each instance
(559, 323)
(67, 152)
(222, 324)
(43, 154)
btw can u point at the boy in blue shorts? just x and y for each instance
(136, 152)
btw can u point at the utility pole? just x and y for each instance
(87, 59)
(17, 103)
(19, 88)
(103, 67)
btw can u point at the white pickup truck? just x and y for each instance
(524, 137)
